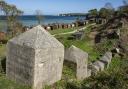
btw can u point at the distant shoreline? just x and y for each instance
(28, 20)
(73, 14)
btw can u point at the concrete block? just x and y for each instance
(35, 58)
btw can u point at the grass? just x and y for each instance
(7, 84)
(69, 70)
(85, 44)
(115, 77)
(115, 64)
(112, 78)
(2, 50)
(58, 31)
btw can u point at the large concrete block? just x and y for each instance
(79, 57)
(35, 58)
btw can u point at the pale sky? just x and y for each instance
(54, 7)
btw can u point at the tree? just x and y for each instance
(93, 12)
(123, 9)
(39, 16)
(103, 13)
(107, 11)
(125, 2)
(109, 6)
(2, 4)
(11, 13)
(110, 9)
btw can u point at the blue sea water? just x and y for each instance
(28, 20)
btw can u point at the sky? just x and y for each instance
(55, 7)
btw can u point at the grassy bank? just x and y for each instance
(115, 77)
(86, 44)
(58, 31)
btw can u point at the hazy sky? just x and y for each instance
(61, 6)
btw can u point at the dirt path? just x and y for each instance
(74, 30)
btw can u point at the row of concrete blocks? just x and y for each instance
(84, 69)
(63, 26)
(55, 26)
(59, 26)
(101, 64)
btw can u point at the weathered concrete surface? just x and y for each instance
(100, 64)
(35, 58)
(95, 69)
(106, 58)
(89, 72)
(79, 57)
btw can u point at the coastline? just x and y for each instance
(28, 20)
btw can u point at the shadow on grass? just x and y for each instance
(73, 85)
(69, 70)
(3, 65)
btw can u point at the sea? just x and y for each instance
(29, 20)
